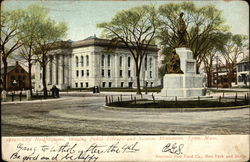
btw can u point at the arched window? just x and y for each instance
(82, 61)
(77, 61)
(108, 60)
(87, 60)
(103, 58)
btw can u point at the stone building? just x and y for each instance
(97, 62)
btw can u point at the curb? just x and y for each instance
(179, 109)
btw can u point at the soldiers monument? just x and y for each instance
(181, 79)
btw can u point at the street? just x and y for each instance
(87, 116)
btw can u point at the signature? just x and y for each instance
(173, 148)
(72, 152)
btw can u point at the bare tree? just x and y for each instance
(234, 47)
(10, 23)
(50, 33)
(136, 29)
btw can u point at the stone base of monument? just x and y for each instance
(182, 85)
(188, 84)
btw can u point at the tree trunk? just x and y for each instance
(138, 80)
(209, 79)
(45, 92)
(30, 83)
(230, 78)
(5, 66)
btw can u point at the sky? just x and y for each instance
(82, 16)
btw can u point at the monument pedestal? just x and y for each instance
(182, 85)
(188, 84)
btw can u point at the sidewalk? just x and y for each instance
(103, 93)
(230, 89)
(35, 101)
(68, 95)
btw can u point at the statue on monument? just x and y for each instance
(181, 31)
(173, 65)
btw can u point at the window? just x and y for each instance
(82, 63)
(239, 68)
(103, 84)
(77, 73)
(77, 61)
(17, 71)
(130, 84)
(128, 61)
(109, 73)
(102, 72)
(103, 58)
(12, 77)
(87, 60)
(82, 73)
(81, 84)
(41, 76)
(120, 73)
(150, 74)
(145, 63)
(76, 85)
(22, 71)
(151, 84)
(120, 60)
(87, 72)
(24, 78)
(246, 67)
(108, 60)
(110, 84)
(150, 62)
(122, 84)
(129, 73)
(87, 84)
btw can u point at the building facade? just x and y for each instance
(97, 62)
(17, 78)
(243, 68)
(223, 79)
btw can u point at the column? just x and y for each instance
(57, 70)
(54, 70)
(63, 69)
(47, 72)
(50, 70)
(60, 69)
(70, 69)
(155, 69)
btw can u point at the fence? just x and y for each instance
(221, 98)
(22, 95)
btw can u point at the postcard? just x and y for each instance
(125, 80)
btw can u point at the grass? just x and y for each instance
(178, 104)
